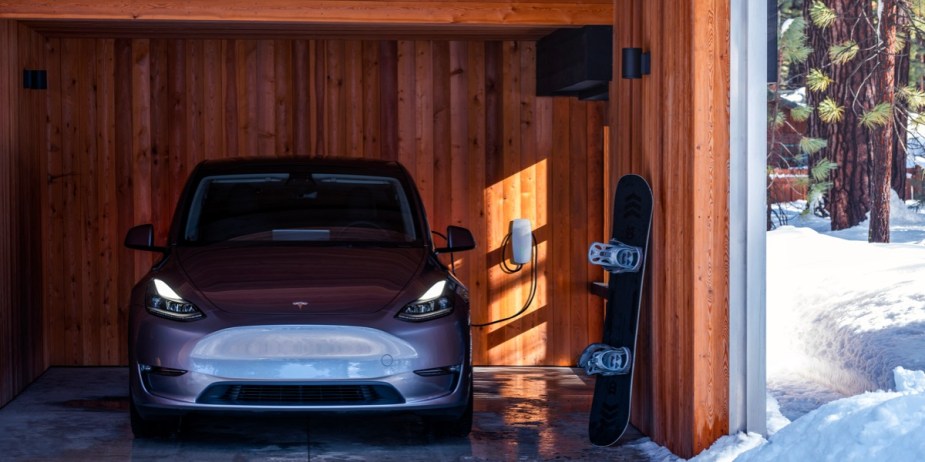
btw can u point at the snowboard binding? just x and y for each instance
(616, 257)
(603, 359)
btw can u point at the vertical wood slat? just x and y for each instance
(123, 96)
(70, 232)
(54, 219)
(461, 115)
(710, 183)
(110, 352)
(9, 68)
(475, 150)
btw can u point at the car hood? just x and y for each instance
(289, 279)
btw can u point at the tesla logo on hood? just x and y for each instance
(300, 304)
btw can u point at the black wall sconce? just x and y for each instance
(34, 79)
(636, 63)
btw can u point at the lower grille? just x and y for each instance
(301, 395)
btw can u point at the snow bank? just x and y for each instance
(843, 313)
(728, 448)
(882, 425)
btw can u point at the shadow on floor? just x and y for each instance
(523, 414)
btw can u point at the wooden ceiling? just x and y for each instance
(470, 19)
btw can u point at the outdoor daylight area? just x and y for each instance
(846, 236)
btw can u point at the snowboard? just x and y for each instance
(624, 257)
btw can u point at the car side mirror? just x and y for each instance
(141, 237)
(458, 239)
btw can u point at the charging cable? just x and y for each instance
(507, 269)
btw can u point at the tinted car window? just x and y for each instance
(299, 207)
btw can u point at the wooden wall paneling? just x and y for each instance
(109, 237)
(124, 161)
(710, 178)
(423, 139)
(141, 165)
(169, 119)
(370, 104)
(284, 129)
(458, 119)
(353, 99)
(335, 117)
(494, 176)
(230, 95)
(89, 200)
(475, 150)
(369, 109)
(389, 98)
(195, 120)
(213, 123)
(34, 175)
(442, 178)
(318, 79)
(559, 258)
(512, 291)
(72, 350)
(673, 129)
(594, 155)
(22, 126)
(406, 107)
(301, 91)
(245, 65)
(578, 179)
(533, 324)
(9, 70)
(54, 217)
(265, 99)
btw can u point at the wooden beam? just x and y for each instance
(283, 30)
(508, 12)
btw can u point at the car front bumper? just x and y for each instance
(185, 367)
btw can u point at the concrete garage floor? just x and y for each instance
(522, 414)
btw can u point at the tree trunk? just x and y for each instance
(901, 118)
(816, 39)
(849, 144)
(882, 136)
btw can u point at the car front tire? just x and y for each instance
(148, 428)
(458, 425)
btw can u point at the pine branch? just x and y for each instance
(830, 112)
(879, 116)
(817, 81)
(801, 113)
(812, 145)
(912, 96)
(844, 52)
(821, 15)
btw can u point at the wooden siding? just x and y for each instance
(673, 128)
(129, 118)
(22, 356)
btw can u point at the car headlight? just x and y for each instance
(161, 300)
(435, 303)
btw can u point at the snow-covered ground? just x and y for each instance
(846, 345)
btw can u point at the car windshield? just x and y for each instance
(326, 207)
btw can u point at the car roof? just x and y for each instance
(239, 164)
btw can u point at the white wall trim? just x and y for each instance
(747, 219)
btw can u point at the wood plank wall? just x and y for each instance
(127, 119)
(22, 355)
(673, 127)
